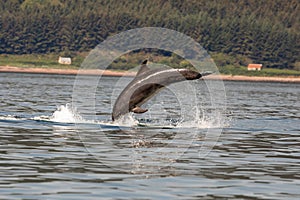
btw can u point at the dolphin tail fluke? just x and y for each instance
(139, 110)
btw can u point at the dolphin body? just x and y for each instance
(146, 84)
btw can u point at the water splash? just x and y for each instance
(126, 120)
(63, 114)
(67, 114)
(204, 119)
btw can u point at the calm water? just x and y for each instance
(49, 150)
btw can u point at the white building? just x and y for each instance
(64, 60)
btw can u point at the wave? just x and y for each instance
(11, 118)
(67, 114)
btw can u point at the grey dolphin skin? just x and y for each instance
(146, 84)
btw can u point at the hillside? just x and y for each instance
(265, 32)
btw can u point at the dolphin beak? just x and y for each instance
(207, 73)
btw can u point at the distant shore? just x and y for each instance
(10, 69)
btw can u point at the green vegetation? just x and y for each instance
(161, 57)
(233, 70)
(125, 62)
(234, 32)
(133, 59)
(38, 60)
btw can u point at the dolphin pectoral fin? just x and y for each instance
(139, 110)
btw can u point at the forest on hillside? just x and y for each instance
(266, 32)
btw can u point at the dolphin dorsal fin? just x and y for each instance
(143, 68)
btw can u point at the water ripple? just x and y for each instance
(257, 156)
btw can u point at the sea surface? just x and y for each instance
(51, 147)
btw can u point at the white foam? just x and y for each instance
(126, 120)
(63, 114)
(10, 117)
(206, 120)
(66, 114)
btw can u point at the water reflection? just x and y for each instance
(125, 150)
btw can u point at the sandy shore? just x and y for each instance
(255, 78)
(9, 69)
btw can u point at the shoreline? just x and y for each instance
(32, 70)
(10, 69)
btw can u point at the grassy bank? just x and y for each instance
(40, 61)
(126, 62)
(234, 70)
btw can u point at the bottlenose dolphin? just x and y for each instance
(146, 84)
